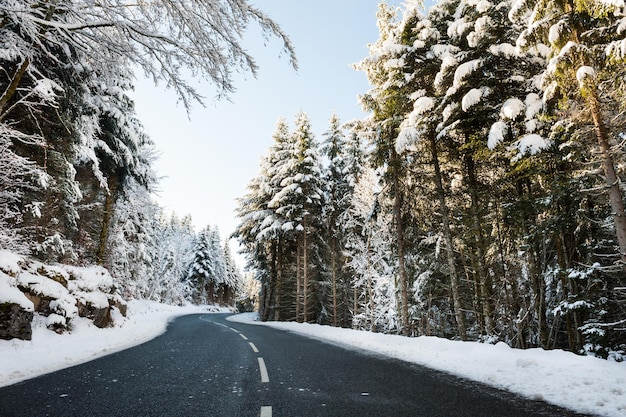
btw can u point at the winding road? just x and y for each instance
(206, 366)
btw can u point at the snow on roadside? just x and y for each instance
(49, 351)
(581, 383)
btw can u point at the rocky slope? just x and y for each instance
(60, 293)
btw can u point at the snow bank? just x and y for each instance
(49, 351)
(581, 383)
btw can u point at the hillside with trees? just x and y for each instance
(76, 166)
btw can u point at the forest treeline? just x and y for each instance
(76, 167)
(480, 199)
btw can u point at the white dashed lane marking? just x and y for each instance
(264, 376)
(266, 411)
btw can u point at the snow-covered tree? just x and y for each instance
(298, 202)
(132, 241)
(248, 299)
(583, 76)
(17, 174)
(260, 230)
(477, 214)
(162, 38)
(207, 272)
(172, 257)
(233, 284)
(371, 260)
(586, 41)
(386, 101)
(340, 176)
(480, 79)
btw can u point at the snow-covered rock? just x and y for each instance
(61, 293)
(16, 311)
(15, 322)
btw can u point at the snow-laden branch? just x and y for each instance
(166, 39)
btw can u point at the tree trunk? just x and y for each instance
(406, 328)
(275, 306)
(333, 263)
(472, 277)
(368, 293)
(484, 279)
(612, 182)
(107, 216)
(355, 303)
(563, 266)
(305, 277)
(454, 279)
(266, 300)
(512, 304)
(298, 278)
(278, 289)
(539, 289)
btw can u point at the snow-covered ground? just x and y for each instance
(583, 384)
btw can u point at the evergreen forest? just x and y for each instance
(76, 166)
(480, 199)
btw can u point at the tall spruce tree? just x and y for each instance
(387, 103)
(299, 202)
(339, 192)
(584, 74)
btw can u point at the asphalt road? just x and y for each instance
(206, 366)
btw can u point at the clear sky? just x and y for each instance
(208, 158)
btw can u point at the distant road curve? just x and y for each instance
(206, 366)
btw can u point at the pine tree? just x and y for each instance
(233, 282)
(370, 257)
(585, 40)
(172, 256)
(298, 202)
(339, 192)
(202, 275)
(584, 76)
(261, 229)
(387, 101)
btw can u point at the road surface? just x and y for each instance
(206, 366)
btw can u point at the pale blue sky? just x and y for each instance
(209, 159)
